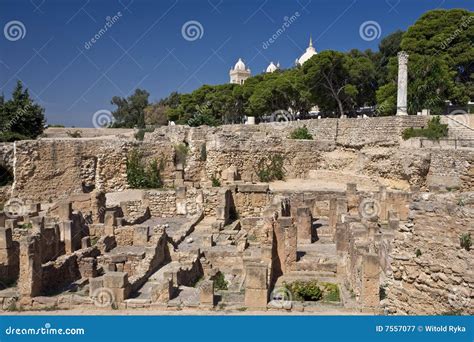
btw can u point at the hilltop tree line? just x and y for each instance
(440, 45)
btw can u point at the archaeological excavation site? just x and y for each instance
(241, 218)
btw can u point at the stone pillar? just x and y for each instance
(370, 296)
(256, 287)
(5, 245)
(352, 198)
(304, 224)
(31, 272)
(68, 236)
(402, 83)
(181, 200)
(206, 293)
(85, 242)
(65, 211)
(286, 236)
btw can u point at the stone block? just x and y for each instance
(256, 276)
(304, 224)
(264, 187)
(114, 280)
(85, 242)
(95, 284)
(11, 223)
(256, 298)
(65, 211)
(5, 238)
(206, 292)
(141, 235)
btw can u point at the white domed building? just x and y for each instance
(272, 67)
(239, 73)
(310, 52)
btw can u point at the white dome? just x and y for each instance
(240, 65)
(272, 67)
(310, 52)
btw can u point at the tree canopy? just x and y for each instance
(440, 45)
(20, 116)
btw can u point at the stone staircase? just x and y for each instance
(459, 126)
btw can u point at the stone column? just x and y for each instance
(206, 293)
(304, 224)
(30, 279)
(370, 296)
(402, 83)
(256, 289)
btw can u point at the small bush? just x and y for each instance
(434, 131)
(141, 177)
(271, 168)
(12, 137)
(331, 292)
(219, 281)
(465, 241)
(140, 135)
(215, 182)
(181, 153)
(305, 290)
(301, 133)
(418, 253)
(74, 134)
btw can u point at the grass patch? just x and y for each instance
(465, 241)
(271, 168)
(434, 131)
(140, 176)
(301, 133)
(312, 291)
(219, 281)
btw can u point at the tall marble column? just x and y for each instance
(402, 83)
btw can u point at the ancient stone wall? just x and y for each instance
(431, 273)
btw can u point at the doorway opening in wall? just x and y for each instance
(6, 177)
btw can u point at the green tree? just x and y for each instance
(130, 111)
(20, 117)
(449, 35)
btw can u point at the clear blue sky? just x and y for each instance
(145, 46)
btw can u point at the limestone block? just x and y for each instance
(95, 284)
(37, 224)
(65, 211)
(370, 280)
(141, 235)
(263, 187)
(304, 224)
(11, 223)
(85, 242)
(5, 238)
(206, 292)
(256, 276)
(66, 227)
(256, 298)
(109, 219)
(181, 208)
(115, 280)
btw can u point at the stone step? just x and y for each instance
(310, 265)
(307, 276)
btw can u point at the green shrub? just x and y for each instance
(140, 135)
(140, 176)
(305, 290)
(215, 182)
(418, 253)
(219, 281)
(301, 133)
(181, 153)
(331, 292)
(434, 131)
(465, 241)
(271, 168)
(12, 136)
(74, 134)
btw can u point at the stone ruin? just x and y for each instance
(240, 245)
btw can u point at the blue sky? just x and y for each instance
(145, 46)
